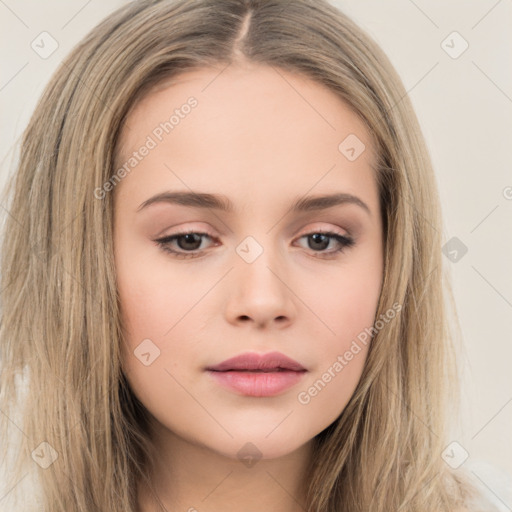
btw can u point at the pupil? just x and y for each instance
(192, 238)
(317, 238)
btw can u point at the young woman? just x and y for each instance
(222, 275)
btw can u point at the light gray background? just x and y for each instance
(465, 109)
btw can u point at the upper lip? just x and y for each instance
(253, 361)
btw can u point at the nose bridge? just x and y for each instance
(258, 263)
(259, 282)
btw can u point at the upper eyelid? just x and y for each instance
(326, 231)
(346, 231)
(331, 233)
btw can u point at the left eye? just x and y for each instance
(191, 241)
(321, 240)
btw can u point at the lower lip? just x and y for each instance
(258, 383)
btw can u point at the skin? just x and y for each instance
(262, 137)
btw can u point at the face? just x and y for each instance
(264, 268)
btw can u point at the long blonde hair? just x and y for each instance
(60, 313)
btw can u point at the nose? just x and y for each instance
(260, 294)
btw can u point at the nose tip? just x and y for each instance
(259, 296)
(260, 321)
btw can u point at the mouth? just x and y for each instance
(258, 375)
(271, 370)
(252, 361)
(257, 383)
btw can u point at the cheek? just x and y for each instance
(340, 357)
(158, 332)
(322, 399)
(345, 301)
(157, 321)
(346, 306)
(153, 298)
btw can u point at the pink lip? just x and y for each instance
(254, 374)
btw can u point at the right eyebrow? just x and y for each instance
(191, 199)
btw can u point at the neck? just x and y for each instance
(191, 477)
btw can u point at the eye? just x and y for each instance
(186, 241)
(320, 240)
(189, 243)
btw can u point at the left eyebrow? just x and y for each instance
(222, 203)
(311, 203)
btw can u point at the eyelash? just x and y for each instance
(344, 241)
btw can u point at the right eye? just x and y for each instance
(188, 243)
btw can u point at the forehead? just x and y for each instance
(252, 126)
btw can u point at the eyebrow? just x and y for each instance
(222, 203)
